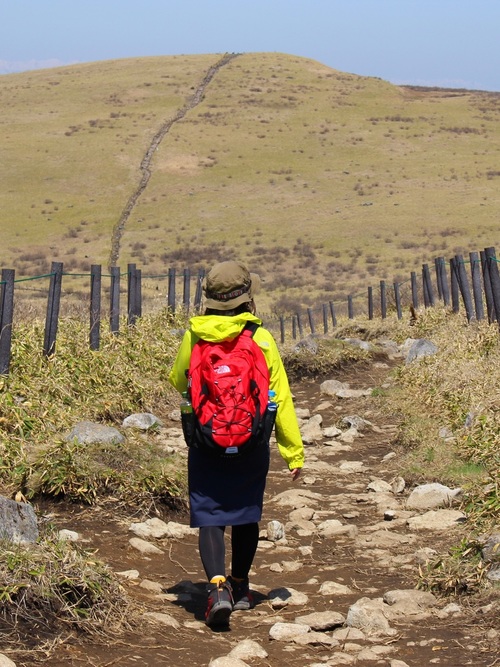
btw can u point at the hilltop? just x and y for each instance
(322, 181)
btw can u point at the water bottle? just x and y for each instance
(186, 407)
(270, 416)
(187, 418)
(272, 406)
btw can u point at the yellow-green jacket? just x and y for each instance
(219, 327)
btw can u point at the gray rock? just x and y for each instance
(145, 548)
(379, 486)
(284, 597)
(331, 432)
(420, 348)
(311, 430)
(407, 602)
(491, 548)
(353, 393)
(322, 620)
(357, 422)
(357, 342)
(430, 496)
(227, 661)
(5, 661)
(89, 433)
(142, 421)
(248, 648)
(308, 343)
(284, 632)
(436, 520)
(424, 555)
(368, 615)
(275, 531)
(331, 387)
(18, 521)
(164, 619)
(68, 535)
(332, 527)
(398, 485)
(298, 498)
(334, 588)
(493, 574)
(154, 527)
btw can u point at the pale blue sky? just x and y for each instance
(449, 43)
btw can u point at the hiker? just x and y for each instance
(225, 490)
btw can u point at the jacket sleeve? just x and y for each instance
(177, 376)
(288, 435)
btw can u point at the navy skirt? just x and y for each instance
(225, 491)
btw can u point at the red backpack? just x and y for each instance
(228, 384)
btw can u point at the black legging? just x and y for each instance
(244, 541)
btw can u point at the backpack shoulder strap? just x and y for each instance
(251, 327)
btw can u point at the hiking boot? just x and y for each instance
(220, 604)
(242, 597)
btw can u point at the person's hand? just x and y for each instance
(295, 473)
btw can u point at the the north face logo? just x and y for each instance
(222, 369)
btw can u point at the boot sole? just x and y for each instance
(219, 614)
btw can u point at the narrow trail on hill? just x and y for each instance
(146, 162)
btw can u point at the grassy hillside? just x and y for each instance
(324, 182)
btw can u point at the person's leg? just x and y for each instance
(244, 540)
(212, 553)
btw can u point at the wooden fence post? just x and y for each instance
(488, 294)
(428, 291)
(198, 293)
(463, 285)
(134, 294)
(438, 278)
(114, 300)
(282, 328)
(171, 290)
(6, 318)
(95, 306)
(397, 297)
(455, 303)
(332, 313)
(299, 325)
(445, 289)
(370, 303)
(350, 307)
(475, 268)
(383, 299)
(494, 279)
(325, 318)
(186, 292)
(294, 327)
(53, 306)
(130, 293)
(311, 320)
(414, 289)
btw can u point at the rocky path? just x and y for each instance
(337, 589)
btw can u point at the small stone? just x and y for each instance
(68, 535)
(275, 531)
(287, 631)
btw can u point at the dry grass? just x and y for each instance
(322, 181)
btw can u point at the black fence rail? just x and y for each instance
(477, 288)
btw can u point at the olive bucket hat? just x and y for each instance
(228, 285)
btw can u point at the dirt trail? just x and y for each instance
(145, 167)
(304, 563)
